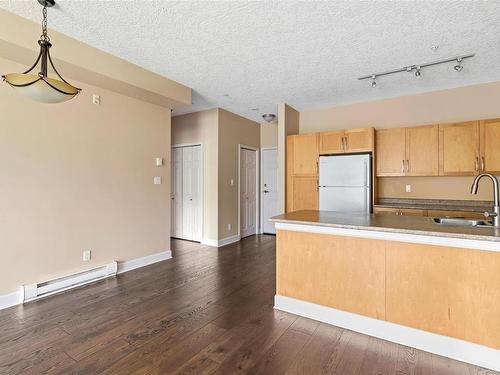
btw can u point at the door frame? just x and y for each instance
(257, 187)
(261, 228)
(202, 182)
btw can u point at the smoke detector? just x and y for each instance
(269, 117)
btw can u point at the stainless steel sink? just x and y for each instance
(460, 222)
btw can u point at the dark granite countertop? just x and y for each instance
(388, 223)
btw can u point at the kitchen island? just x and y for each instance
(403, 279)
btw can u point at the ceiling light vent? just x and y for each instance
(269, 117)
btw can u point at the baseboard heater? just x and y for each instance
(47, 288)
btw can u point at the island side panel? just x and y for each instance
(450, 291)
(345, 273)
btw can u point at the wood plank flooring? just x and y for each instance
(207, 311)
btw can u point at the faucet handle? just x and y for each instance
(490, 214)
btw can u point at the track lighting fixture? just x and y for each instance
(418, 68)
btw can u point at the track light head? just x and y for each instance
(459, 66)
(374, 82)
(417, 72)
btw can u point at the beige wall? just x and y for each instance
(460, 104)
(202, 127)
(288, 124)
(268, 134)
(79, 176)
(233, 131)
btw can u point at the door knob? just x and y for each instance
(266, 191)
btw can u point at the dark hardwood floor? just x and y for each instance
(207, 311)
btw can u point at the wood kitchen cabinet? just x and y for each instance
(303, 153)
(304, 193)
(457, 214)
(331, 142)
(490, 146)
(422, 151)
(408, 151)
(459, 149)
(347, 141)
(390, 149)
(399, 211)
(302, 172)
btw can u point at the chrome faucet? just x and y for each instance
(496, 205)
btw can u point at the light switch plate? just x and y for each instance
(157, 180)
(159, 162)
(87, 254)
(96, 99)
(408, 188)
(231, 182)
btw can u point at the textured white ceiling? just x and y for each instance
(307, 54)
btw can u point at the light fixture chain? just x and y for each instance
(44, 35)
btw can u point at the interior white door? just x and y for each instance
(191, 192)
(269, 190)
(248, 194)
(176, 193)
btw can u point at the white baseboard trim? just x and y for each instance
(132, 264)
(16, 298)
(430, 342)
(11, 299)
(220, 243)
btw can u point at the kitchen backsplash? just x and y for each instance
(457, 188)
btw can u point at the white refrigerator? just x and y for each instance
(345, 183)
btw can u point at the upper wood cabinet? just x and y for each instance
(408, 151)
(302, 154)
(490, 146)
(422, 145)
(459, 149)
(331, 142)
(347, 141)
(390, 149)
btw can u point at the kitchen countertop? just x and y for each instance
(387, 223)
(435, 204)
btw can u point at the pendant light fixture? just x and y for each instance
(39, 86)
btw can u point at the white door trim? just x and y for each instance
(262, 149)
(257, 184)
(202, 181)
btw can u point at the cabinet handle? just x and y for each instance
(482, 163)
(403, 166)
(407, 166)
(346, 143)
(476, 164)
(343, 144)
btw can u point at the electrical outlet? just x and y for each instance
(229, 226)
(408, 188)
(87, 254)
(157, 180)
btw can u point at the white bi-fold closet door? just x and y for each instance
(248, 192)
(186, 192)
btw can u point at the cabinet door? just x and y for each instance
(332, 142)
(304, 193)
(386, 210)
(390, 152)
(412, 212)
(422, 151)
(490, 146)
(305, 154)
(359, 140)
(459, 149)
